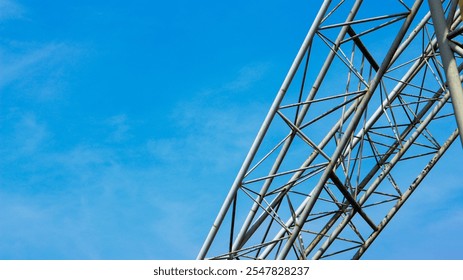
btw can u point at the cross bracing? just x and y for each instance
(365, 112)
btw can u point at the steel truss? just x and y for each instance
(361, 118)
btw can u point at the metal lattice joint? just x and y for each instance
(349, 137)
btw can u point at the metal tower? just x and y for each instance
(371, 102)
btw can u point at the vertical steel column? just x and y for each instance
(263, 130)
(448, 60)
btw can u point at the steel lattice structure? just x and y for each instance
(368, 107)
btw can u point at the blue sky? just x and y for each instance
(123, 125)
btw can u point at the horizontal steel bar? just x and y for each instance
(401, 15)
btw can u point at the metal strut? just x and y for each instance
(380, 92)
(448, 60)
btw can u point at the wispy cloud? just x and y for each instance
(79, 201)
(215, 126)
(247, 77)
(119, 128)
(214, 130)
(36, 69)
(75, 195)
(28, 135)
(90, 201)
(15, 66)
(10, 10)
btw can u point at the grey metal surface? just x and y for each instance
(448, 61)
(371, 93)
